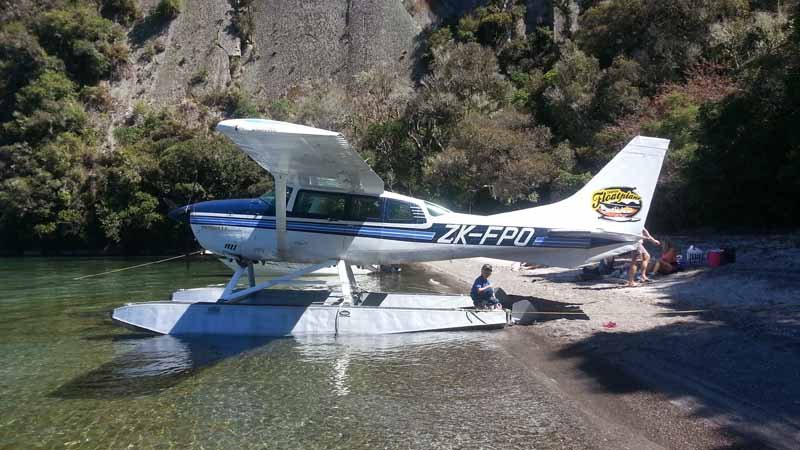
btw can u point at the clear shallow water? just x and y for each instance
(70, 378)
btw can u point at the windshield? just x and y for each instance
(435, 210)
(269, 196)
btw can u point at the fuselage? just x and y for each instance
(385, 229)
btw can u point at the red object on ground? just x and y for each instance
(610, 325)
(714, 258)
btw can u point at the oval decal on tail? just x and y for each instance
(620, 204)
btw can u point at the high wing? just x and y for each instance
(306, 156)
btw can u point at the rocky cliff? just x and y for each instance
(268, 46)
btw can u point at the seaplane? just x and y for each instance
(330, 208)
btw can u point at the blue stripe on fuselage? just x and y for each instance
(477, 235)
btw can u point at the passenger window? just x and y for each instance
(319, 205)
(402, 212)
(364, 209)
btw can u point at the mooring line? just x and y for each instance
(661, 313)
(572, 313)
(137, 266)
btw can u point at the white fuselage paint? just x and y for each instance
(448, 236)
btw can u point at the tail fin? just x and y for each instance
(616, 200)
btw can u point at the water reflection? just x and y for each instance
(144, 366)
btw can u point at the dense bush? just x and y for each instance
(167, 9)
(90, 46)
(124, 12)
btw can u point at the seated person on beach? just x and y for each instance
(482, 292)
(668, 263)
(604, 267)
(640, 257)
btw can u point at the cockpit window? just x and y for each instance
(269, 196)
(435, 210)
(269, 200)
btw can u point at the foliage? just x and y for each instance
(505, 151)
(242, 20)
(90, 46)
(491, 25)
(21, 59)
(43, 190)
(667, 38)
(569, 97)
(469, 73)
(167, 9)
(199, 77)
(46, 107)
(234, 102)
(124, 12)
(749, 155)
(161, 158)
(739, 41)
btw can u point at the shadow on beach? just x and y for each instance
(543, 309)
(735, 362)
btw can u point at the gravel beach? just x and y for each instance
(705, 358)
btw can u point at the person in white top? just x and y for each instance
(641, 256)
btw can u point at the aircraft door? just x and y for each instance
(317, 226)
(364, 215)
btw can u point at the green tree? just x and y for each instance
(46, 107)
(167, 9)
(21, 59)
(42, 196)
(665, 37)
(90, 46)
(505, 151)
(569, 97)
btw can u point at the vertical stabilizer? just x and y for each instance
(616, 200)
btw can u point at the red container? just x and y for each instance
(714, 258)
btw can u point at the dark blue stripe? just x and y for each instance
(345, 229)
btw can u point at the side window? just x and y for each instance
(364, 209)
(402, 212)
(319, 205)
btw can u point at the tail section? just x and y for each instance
(616, 200)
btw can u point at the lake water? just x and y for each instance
(70, 378)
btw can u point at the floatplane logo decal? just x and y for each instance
(619, 204)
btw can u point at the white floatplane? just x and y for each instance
(333, 210)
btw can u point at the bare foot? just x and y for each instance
(632, 284)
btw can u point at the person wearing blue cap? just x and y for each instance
(482, 292)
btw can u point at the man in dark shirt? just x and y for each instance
(482, 292)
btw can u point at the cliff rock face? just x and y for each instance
(326, 40)
(290, 42)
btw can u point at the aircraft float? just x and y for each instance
(330, 208)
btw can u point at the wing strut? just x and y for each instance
(280, 214)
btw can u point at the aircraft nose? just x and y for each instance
(180, 214)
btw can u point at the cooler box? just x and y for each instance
(714, 258)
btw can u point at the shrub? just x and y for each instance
(124, 12)
(200, 77)
(167, 9)
(90, 46)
